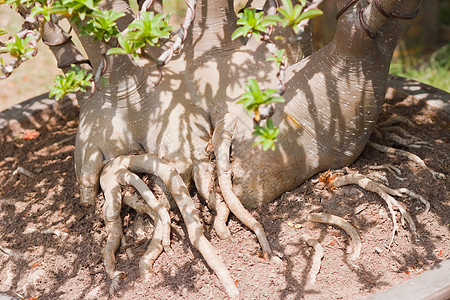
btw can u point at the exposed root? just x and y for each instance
(386, 194)
(378, 177)
(316, 259)
(222, 143)
(396, 120)
(24, 171)
(126, 177)
(111, 215)
(147, 163)
(338, 221)
(113, 175)
(153, 251)
(409, 155)
(155, 248)
(395, 133)
(203, 178)
(391, 168)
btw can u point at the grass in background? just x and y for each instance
(433, 69)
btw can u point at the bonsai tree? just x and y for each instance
(243, 86)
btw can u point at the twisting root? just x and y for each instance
(385, 193)
(119, 169)
(155, 248)
(316, 260)
(147, 163)
(204, 182)
(338, 221)
(409, 155)
(397, 120)
(393, 133)
(166, 56)
(113, 175)
(222, 143)
(111, 213)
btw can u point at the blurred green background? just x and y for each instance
(423, 54)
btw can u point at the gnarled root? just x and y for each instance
(316, 260)
(204, 183)
(147, 163)
(338, 221)
(409, 155)
(156, 245)
(402, 137)
(113, 222)
(113, 176)
(391, 169)
(222, 143)
(386, 194)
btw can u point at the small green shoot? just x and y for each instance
(150, 28)
(278, 59)
(293, 15)
(73, 81)
(251, 100)
(254, 97)
(18, 48)
(267, 135)
(146, 31)
(102, 26)
(253, 23)
(77, 9)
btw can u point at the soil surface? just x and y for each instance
(51, 246)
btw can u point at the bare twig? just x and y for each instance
(24, 171)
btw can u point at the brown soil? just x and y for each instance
(51, 247)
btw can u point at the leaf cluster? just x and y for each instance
(278, 59)
(293, 15)
(252, 23)
(77, 10)
(256, 23)
(18, 48)
(254, 97)
(102, 26)
(266, 135)
(73, 81)
(148, 30)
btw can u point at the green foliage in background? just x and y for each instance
(433, 70)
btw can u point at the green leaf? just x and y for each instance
(241, 31)
(310, 14)
(116, 51)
